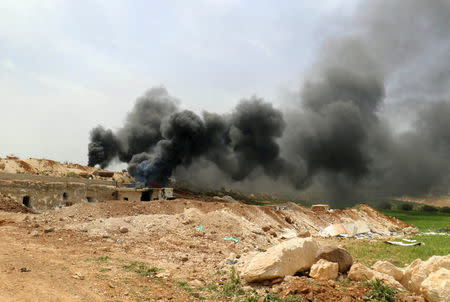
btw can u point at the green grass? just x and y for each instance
(380, 292)
(368, 252)
(141, 268)
(425, 221)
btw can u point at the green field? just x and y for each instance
(425, 221)
(368, 252)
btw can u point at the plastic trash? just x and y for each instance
(231, 239)
(200, 228)
(404, 243)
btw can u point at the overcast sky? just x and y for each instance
(67, 66)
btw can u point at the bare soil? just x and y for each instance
(164, 251)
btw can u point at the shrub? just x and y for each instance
(445, 209)
(380, 291)
(427, 208)
(407, 207)
(233, 287)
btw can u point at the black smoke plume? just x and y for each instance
(342, 134)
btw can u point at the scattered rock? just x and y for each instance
(266, 228)
(320, 208)
(35, 233)
(324, 270)
(48, 229)
(418, 270)
(24, 270)
(303, 234)
(336, 254)
(436, 287)
(123, 229)
(410, 230)
(360, 272)
(284, 259)
(195, 283)
(78, 276)
(389, 269)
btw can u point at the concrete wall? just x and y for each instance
(129, 195)
(45, 192)
(46, 195)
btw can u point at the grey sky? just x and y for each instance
(66, 66)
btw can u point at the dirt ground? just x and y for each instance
(157, 251)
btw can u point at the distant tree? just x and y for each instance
(427, 208)
(407, 207)
(445, 209)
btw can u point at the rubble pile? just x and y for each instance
(9, 204)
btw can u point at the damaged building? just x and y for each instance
(41, 193)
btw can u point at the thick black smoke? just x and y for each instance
(141, 132)
(237, 143)
(343, 135)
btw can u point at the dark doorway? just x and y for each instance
(89, 199)
(65, 196)
(26, 201)
(146, 196)
(125, 198)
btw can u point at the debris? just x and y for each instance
(123, 229)
(419, 270)
(288, 234)
(78, 276)
(388, 268)
(199, 228)
(320, 208)
(360, 272)
(35, 233)
(404, 243)
(410, 230)
(231, 239)
(336, 254)
(324, 270)
(231, 261)
(24, 270)
(436, 287)
(48, 229)
(281, 260)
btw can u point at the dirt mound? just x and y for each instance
(175, 250)
(9, 204)
(48, 167)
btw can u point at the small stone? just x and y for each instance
(49, 229)
(195, 283)
(78, 276)
(184, 258)
(35, 233)
(324, 270)
(111, 285)
(123, 229)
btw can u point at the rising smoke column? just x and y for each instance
(392, 60)
(140, 133)
(339, 105)
(237, 144)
